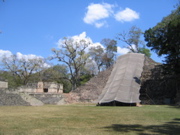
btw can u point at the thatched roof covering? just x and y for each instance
(124, 82)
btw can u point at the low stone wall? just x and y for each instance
(15, 98)
(48, 98)
(26, 89)
(41, 87)
(11, 99)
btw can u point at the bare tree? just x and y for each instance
(22, 68)
(72, 54)
(132, 38)
(133, 41)
(96, 54)
(110, 51)
(91, 67)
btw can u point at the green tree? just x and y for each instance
(164, 39)
(85, 78)
(145, 51)
(133, 41)
(58, 74)
(72, 54)
(8, 76)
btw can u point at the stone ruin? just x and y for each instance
(155, 87)
(42, 87)
(34, 94)
(3, 84)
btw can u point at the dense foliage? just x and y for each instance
(58, 74)
(164, 39)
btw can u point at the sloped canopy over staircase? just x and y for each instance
(124, 82)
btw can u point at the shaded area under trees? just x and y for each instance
(168, 128)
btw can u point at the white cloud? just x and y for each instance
(19, 55)
(78, 38)
(94, 45)
(5, 53)
(125, 50)
(97, 12)
(122, 50)
(101, 24)
(32, 56)
(26, 57)
(8, 54)
(126, 15)
(82, 36)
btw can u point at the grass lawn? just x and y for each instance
(89, 120)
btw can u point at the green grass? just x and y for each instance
(89, 120)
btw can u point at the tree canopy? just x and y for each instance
(58, 74)
(72, 53)
(164, 39)
(21, 69)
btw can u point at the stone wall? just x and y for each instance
(11, 99)
(14, 98)
(42, 87)
(47, 98)
(3, 84)
(157, 88)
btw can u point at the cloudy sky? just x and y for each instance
(32, 27)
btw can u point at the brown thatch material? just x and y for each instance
(124, 82)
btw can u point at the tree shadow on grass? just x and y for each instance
(169, 128)
(174, 106)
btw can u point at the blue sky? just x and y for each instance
(34, 27)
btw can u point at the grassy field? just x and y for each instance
(89, 120)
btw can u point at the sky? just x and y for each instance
(32, 28)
